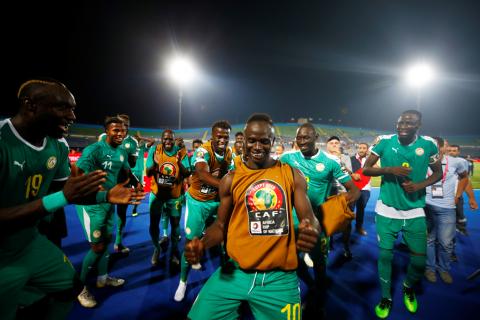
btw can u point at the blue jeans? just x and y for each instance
(441, 232)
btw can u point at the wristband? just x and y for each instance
(101, 196)
(54, 201)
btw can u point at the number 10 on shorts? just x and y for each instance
(292, 313)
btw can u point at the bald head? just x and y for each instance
(39, 90)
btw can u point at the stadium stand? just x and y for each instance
(82, 135)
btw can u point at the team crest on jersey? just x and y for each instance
(320, 167)
(97, 234)
(266, 205)
(127, 145)
(51, 162)
(168, 169)
(419, 152)
(200, 154)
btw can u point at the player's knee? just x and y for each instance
(385, 256)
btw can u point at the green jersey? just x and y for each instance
(140, 165)
(320, 172)
(129, 144)
(417, 156)
(102, 156)
(26, 173)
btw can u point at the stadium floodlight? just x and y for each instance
(181, 70)
(418, 76)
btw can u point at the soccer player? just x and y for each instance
(320, 170)
(97, 220)
(139, 170)
(211, 162)
(34, 160)
(130, 145)
(405, 158)
(238, 146)
(168, 164)
(255, 220)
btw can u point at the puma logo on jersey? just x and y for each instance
(109, 156)
(395, 149)
(16, 163)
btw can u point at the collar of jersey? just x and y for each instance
(411, 143)
(314, 156)
(19, 137)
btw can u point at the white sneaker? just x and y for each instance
(110, 282)
(180, 293)
(155, 257)
(197, 266)
(308, 260)
(86, 299)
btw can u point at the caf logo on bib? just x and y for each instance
(320, 167)
(51, 162)
(266, 205)
(265, 195)
(419, 152)
(121, 158)
(168, 169)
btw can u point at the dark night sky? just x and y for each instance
(336, 59)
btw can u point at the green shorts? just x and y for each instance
(414, 232)
(97, 221)
(270, 295)
(40, 267)
(197, 214)
(170, 207)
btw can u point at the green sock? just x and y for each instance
(385, 272)
(415, 270)
(88, 262)
(103, 263)
(118, 236)
(164, 225)
(184, 269)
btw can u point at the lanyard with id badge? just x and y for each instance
(437, 189)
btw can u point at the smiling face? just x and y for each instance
(55, 107)
(305, 140)
(168, 140)
(407, 127)
(115, 133)
(220, 137)
(259, 140)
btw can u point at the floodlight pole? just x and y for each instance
(419, 98)
(180, 96)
